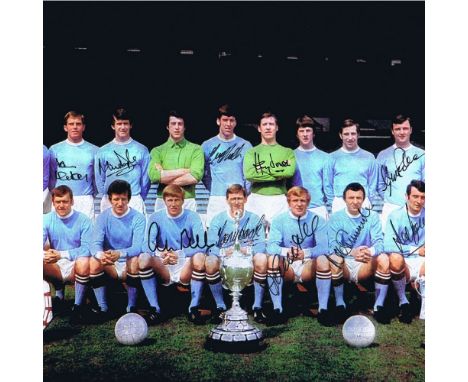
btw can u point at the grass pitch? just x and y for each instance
(300, 350)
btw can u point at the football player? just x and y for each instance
(357, 251)
(45, 179)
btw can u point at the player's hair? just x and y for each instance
(226, 110)
(174, 191)
(121, 114)
(234, 189)
(267, 114)
(305, 121)
(61, 191)
(348, 123)
(119, 186)
(73, 114)
(298, 191)
(175, 114)
(417, 184)
(399, 119)
(354, 187)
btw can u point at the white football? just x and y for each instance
(131, 329)
(358, 331)
(47, 316)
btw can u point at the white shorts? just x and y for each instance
(66, 268)
(189, 204)
(216, 205)
(298, 266)
(414, 264)
(136, 202)
(46, 201)
(320, 211)
(267, 205)
(120, 268)
(174, 271)
(83, 204)
(339, 203)
(353, 268)
(387, 209)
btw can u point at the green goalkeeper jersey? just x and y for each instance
(267, 167)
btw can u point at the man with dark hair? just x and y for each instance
(72, 164)
(125, 159)
(357, 250)
(350, 164)
(67, 260)
(405, 243)
(224, 155)
(177, 162)
(117, 240)
(311, 163)
(251, 234)
(268, 166)
(398, 165)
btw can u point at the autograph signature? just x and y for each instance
(124, 166)
(261, 168)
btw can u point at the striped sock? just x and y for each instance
(214, 281)
(381, 286)
(323, 283)
(399, 283)
(149, 283)
(259, 288)
(81, 284)
(338, 287)
(196, 287)
(133, 279)
(98, 282)
(275, 286)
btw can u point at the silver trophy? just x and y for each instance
(236, 272)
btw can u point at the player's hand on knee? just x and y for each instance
(51, 256)
(422, 251)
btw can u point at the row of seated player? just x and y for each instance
(174, 248)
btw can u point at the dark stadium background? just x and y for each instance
(327, 80)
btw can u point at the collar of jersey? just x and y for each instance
(65, 217)
(122, 143)
(175, 217)
(121, 216)
(180, 144)
(302, 217)
(350, 152)
(73, 143)
(307, 150)
(227, 140)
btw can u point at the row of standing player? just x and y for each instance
(266, 170)
(301, 246)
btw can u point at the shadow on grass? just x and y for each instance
(270, 332)
(145, 343)
(235, 347)
(57, 334)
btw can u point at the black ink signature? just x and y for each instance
(65, 175)
(191, 241)
(304, 232)
(231, 153)
(262, 169)
(408, 236)
(348, 244)
(405, 162)
(242, 234)
(124, 166)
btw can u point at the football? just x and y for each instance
(47, 317)
(131, 329)
(358, 331)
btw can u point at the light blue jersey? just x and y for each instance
(45, 167)
(223, 164)
(184, 233)
(346, 232)
(128, 161)
(70, 234)
(397, 168)
(72, 165)
(121, 233)
(308, 233)
(312, 167)
(223, 234)
(404, 233)
(345, 167)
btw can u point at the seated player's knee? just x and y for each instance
(274, 261)
(336, 263)
(132, 265)
(383, 262)
(144, 260)
(198, 261)
(396, 260)
(323, 265)
(260, 260)
(212, 263)
(82, 265)
(95, 265)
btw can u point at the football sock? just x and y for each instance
(214, 281)
(338, 287)
(381, 286)
(98, 282)
(275, 286)
(259, 289)
(132, 282)
(81, 284)
(59, 293)
(399, 283)
(149, 283)
(196, 287)
(323, 283)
